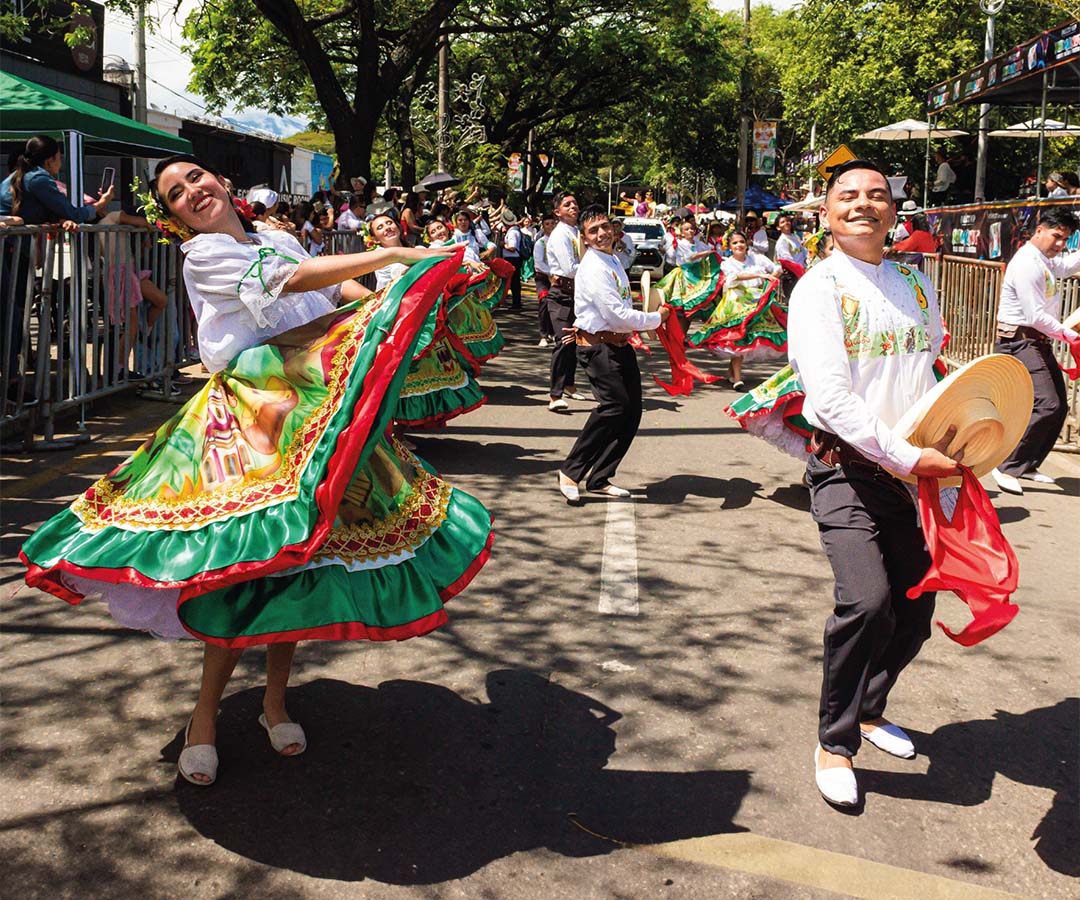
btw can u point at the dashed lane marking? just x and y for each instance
(823, 869)
(619, 572)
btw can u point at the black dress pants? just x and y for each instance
(543, 315)
(1050, 409)
(869, 529)
(616, 382)
(564, 358)
(515, 281)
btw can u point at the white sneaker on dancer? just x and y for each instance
(890, 738)
(1007, 483)
(576, 395)
(611, 490)
(558, 405)
(837, 784)
(569, 489)
(1038, 477)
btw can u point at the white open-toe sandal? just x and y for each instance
(198, 759)
(284, 735)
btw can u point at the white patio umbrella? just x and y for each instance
(808, 204)
(1032, 127)
(909, 130)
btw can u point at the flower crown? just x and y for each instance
(364, 230)
(168, 226)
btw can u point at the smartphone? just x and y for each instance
(107, 178)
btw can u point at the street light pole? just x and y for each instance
(744, 119)
(444, 103)
(990, 8)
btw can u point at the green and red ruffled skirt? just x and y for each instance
(693, 288)
(441, 381)
(746, 322)
(773, 412)
(273, 506)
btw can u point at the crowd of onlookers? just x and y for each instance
(484, 222)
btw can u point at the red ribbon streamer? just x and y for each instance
(969, 557)
(1074, 349)
(683, 372)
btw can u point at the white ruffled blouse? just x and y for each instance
(236, 292)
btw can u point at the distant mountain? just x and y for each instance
(279, 126)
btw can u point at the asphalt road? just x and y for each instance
(635, 721)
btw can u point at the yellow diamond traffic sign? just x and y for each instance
(838, 157)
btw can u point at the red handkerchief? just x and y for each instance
(970, 557)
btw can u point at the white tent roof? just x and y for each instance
(908, 130)
(1031, 129)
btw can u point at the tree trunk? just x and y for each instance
(403, 125)
(355, 138)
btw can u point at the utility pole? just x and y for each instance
(990, 8)
(444, 102)
(813, 147)
(744, 119)
(140, 64)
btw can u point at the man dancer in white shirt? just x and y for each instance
(866, 517)
(788, 245)
(1028, 320)
(604, 321)
(562, 263)
(542, 279)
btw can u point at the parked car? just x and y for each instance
(648, 238)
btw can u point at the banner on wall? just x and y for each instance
(993, 231)
(515, 172)
(764, 148)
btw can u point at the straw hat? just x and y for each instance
(651, 298)
(989, 401)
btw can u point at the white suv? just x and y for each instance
(648, 238)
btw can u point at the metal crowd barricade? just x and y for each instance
(73, 327)
(968, 291)
(346, 241)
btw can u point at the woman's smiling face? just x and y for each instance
(194, 196)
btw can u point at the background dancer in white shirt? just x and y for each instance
(1028, 320)
(604, 321)
(788, 245)
(542, 280)
(863, 336)
(562, 261)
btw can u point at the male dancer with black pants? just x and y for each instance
(866, 517)
(1027, 323)
(562, 261)
(604, 321)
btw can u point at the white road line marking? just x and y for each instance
(618, 572)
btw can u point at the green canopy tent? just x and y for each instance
(27, 109)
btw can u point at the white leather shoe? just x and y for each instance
(569, 491)
(1007, 483)
(285, 734)
(577, 395)
(837, 785)
(197, 759)
(891, 739)
(611, 490)
(558, 405)
(1039, 478)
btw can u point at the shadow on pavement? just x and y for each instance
(411, 783)
(793, 496)
(1007, 514)
(451, 456)
(1035, 748)
(735, 492)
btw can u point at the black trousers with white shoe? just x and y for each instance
(1050, 408)
(616, 382)
(563, 359)
(870, 531)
